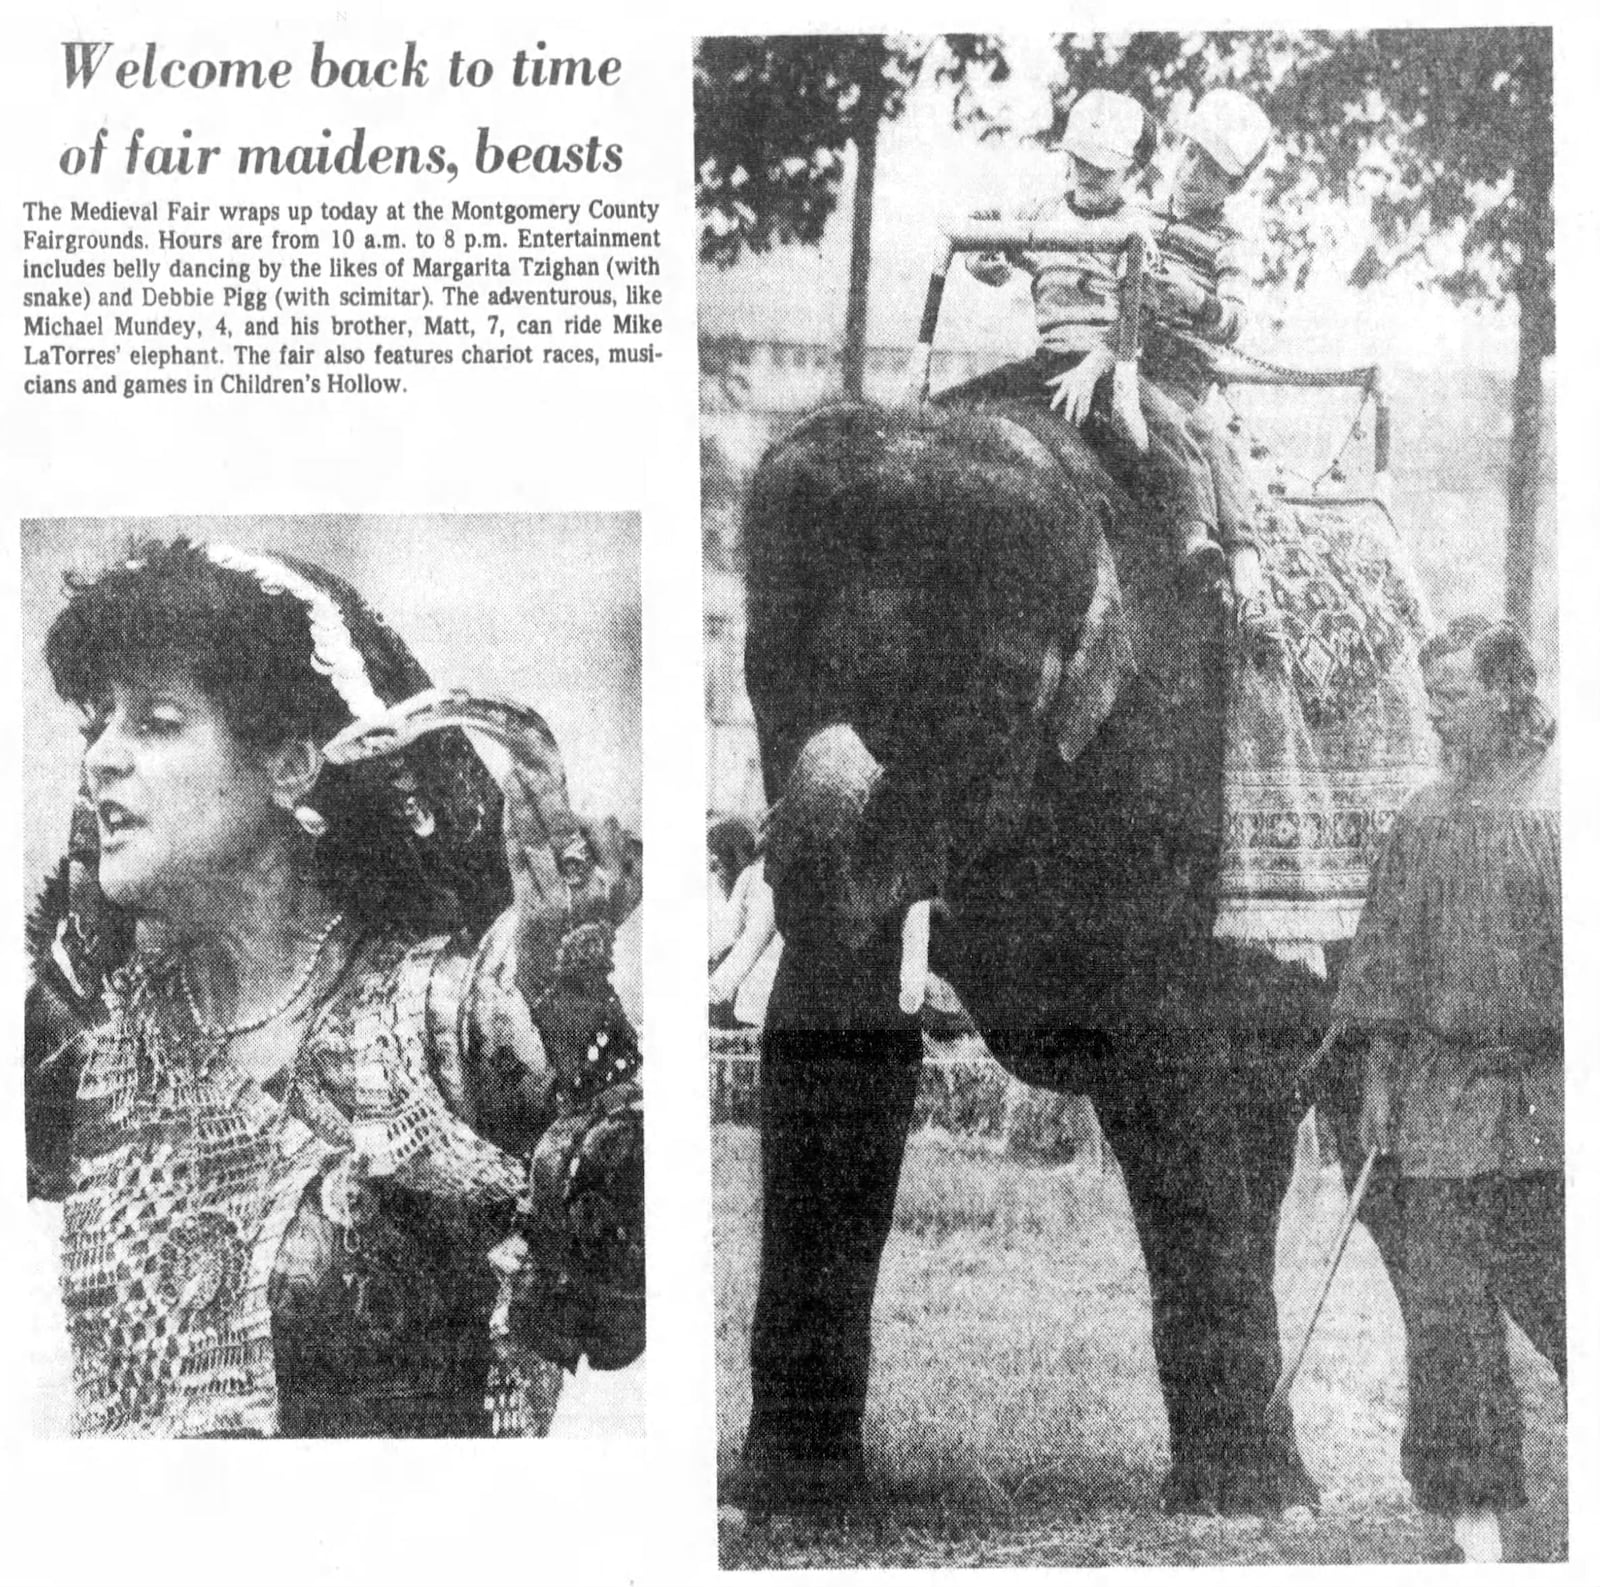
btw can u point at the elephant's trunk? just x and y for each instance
(849, 847)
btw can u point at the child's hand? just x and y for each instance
(1073, 392)
(992, 269)
(1189, 298)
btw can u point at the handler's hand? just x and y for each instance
(1377, 1104)
(1073, 392)
(1374, 1125)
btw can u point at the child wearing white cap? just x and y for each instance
(1109, 137)
(1196, 288)
(1076, 302)
(1199, 291)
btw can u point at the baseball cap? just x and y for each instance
(1232, 128)
(1105, 129)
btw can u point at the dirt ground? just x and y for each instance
(1015, 1417)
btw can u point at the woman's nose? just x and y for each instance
(108, 753)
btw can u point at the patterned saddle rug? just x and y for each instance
(1326, 745)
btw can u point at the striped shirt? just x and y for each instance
(1207, 253)
(1074, 294)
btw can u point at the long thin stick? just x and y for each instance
(1291, 1367)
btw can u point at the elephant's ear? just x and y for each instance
(1099, 665)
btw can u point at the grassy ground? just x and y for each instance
(1015, 1417)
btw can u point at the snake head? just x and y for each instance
(402, 725)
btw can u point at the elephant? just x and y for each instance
(916, 582)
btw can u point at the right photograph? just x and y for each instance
(1133, 836)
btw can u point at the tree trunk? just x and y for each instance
(1522, 488)
(1535, 340)
(869, 118)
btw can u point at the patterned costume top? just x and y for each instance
(1459, 958)
(306, 1254)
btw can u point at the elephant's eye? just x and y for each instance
(1013, 669)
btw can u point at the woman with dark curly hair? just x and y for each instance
(1455, 980)
(321, 1042)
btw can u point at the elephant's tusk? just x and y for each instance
(914, 956)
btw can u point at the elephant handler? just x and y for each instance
(1455, 979)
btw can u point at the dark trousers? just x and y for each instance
(1236, 517)
(1471, 1253)
(1173, 479)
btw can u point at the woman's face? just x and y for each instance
(1465, 714)
(181, 805)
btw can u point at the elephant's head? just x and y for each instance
(914, 583)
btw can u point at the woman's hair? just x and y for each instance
(412, 839)
(731, 845)
(1503, 662)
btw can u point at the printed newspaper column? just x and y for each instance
(227, 268)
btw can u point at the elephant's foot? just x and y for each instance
(769, 1479)
(1232, 1485)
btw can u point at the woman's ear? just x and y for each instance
(293, 769)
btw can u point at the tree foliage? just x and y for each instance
(772, 120)
(1442, 136)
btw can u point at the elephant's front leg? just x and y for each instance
(839, 1070)
(1207, 1153)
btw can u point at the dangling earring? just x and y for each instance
(419, 816)
(311, 822)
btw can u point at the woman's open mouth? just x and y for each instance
(116, 822)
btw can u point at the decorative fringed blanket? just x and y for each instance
(1325, 746)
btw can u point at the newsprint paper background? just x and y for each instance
(567, 411)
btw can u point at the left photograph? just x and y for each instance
(334, 1098)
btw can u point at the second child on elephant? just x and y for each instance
(1076, 299)
(1196, 294)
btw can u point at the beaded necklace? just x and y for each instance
(227, 1033)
